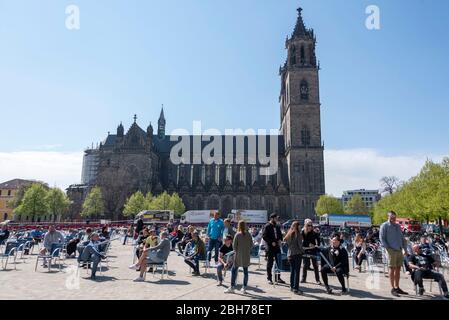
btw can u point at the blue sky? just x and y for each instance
(218, 61)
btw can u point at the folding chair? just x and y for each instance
(55, 255)
(10, 251)
(156, 266)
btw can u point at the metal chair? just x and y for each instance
(55, 255)
(10, 251)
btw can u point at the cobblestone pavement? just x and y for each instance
(117, 282)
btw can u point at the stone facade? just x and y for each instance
(140, 160)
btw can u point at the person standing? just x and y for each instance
(311, 242)
(293, 238)
(139, 227)
(214, 232)
(272, 235)
(393, 241)
(243, 243)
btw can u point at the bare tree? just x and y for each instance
(390, 184)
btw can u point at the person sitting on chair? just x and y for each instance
(37, 234)
(359, 251)
(185, 239)
(92, 254)
(422, 268)
(178, 236)
(4, 233)
(51, 237)
(84, 241)
(223, 263)
(153, 255)
(199, 253)
(339, 264)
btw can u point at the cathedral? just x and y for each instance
(141, 159)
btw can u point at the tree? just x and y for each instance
(356, 206)
(134, 204)
(57, 202)
(161, 202)
(328, 204)
(149, 198)
(389, 184)
(177, 205)
(93, 206)
(33, 203)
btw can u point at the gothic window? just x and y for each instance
(293, 56)
(305, 137)
(229, 174)
(217, 174)
(253, 174)
(304, 89)
(243, 174)
(203, 174)
(303, 55)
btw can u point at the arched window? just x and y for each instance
(305, 136)
(303, 55)
(293, 56)
(304, 89)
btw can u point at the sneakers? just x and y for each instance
(303, 281)
(195, 274)
(281, 281)
(328, 290)
(219, 284)
(229, 290)
(394, 292)
(446, 296)
(344, 292)
(133, 267)
(243, 290)
(270, 282)
(139, 279)
(318, 282)
(298, 292)
(400, 291)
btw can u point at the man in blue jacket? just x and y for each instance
(214, 232)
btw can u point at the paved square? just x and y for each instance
(117, 282)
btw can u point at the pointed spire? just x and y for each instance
(162, 117)
(300, 28)
(135, 118)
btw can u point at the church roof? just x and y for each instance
(15, 183)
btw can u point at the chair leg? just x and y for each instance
(37, 261)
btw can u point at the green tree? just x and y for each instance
(33, 203)
(161, 202)
(356, 206)
(93, 206)
(149, 198)
(328, 204)
(134, 204)
(57, 202)
(177, 205)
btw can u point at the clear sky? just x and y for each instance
(382, 91)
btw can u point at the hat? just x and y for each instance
(273, 215)
(164, 233)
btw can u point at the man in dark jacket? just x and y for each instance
(338, 263)
(272, 235)
(139, 226)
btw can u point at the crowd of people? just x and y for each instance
(301, 249)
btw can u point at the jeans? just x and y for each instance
(234, 272)
(214, 244)
(419, 275)
(295, 267)
(194, 263)
(271, 255)
(340, 275)
(307, 266)
(90, 255)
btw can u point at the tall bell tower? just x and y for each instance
(301, 120)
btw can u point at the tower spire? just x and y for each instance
(161, 124)
(300, 28)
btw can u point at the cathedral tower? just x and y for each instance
(300, 120)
